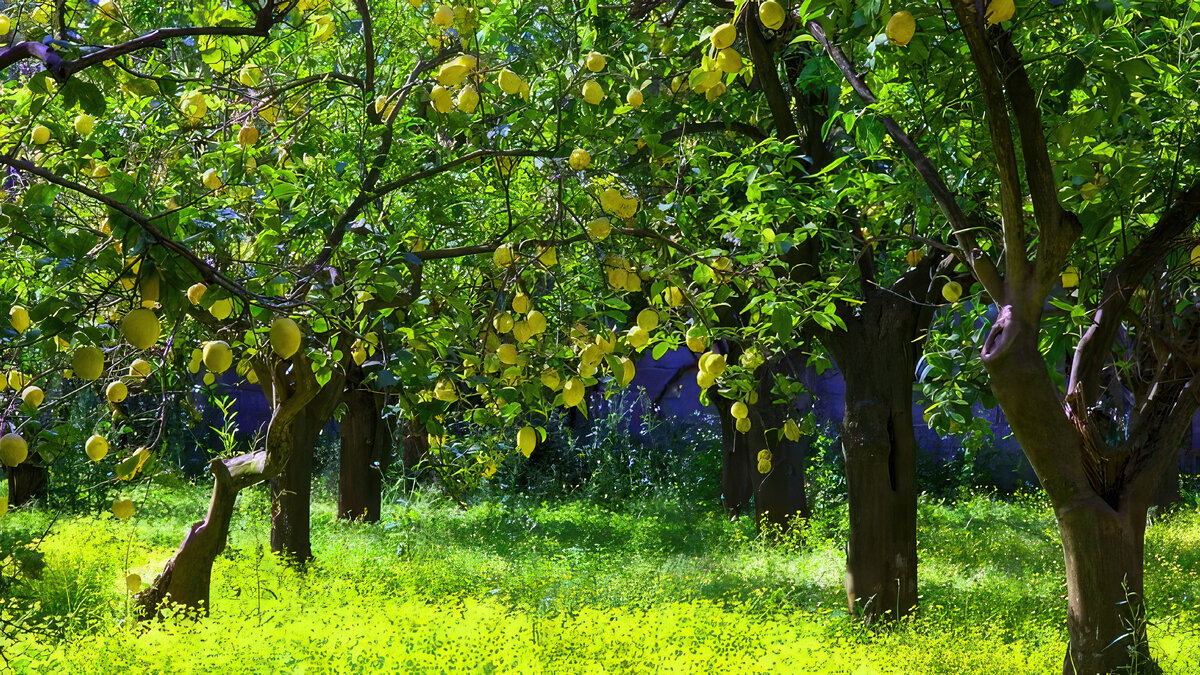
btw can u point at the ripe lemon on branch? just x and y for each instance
(901, 28)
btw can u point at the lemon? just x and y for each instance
(217, 356)
(714, 92)
(122, 508)
(673, 296)
(595, 61)
(359, 353)
(580, 159)
(18, 318)
(550, 378)
(17, 380)
(791, 430)
(96, 447)
(444, 16)
(285, 337)
(573, 392)
(771, 15)
(593, 93)
(40, 135)
(141, 369)
(221, 309)
(502, 322)
(548, 256)
(729, 61)
(209, 379)
(952, 291)
(763, 467)
(900, 28)
(527, 440)
(108, 9)
(33, 397)
(521, 331)
(468, 99)
(141, 328)
(521, 303)
(84, 124)
(999, 11)
(503, 256)
(647, 319)
(510, 83)
(195, 292)
(116, 392)
(212, 179)
(713, 363)
(13, 449)
(723, 36)
(1070, 277)
(599, 228)
(696, 341)
(742, 424)
(739, 410)
(536, 321)
(914, 257)
(247, 135)
(507, 353)
(148, 288)
(88, 362)
(5, 24)
(133, 583)
(627, 208)
(705, 380)
(635, 98)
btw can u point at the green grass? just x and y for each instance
(570, 587)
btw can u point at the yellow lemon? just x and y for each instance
(122, 508)
(13, 449)
(550, 378)
(503, 256)
(742, 424)
(40, 135)
(285, 337)
(771, 15)
(221, 309)
(634, 98)
(88, 362)
(723, 36)
(595, 62)
(705, 380)
(599, 228)
(195, 292)
(573, 392)
(444, 16)
(791, 430)
(999, 11)
(713, 364)
(211, 179)
(247, 135)
(217, 356)
(510, 83)
(647, 319)
(1070, 277)
(141, 328)
(507, 353)
(580, 159)
(739, 410)
(901, 28)
(521, 303)
(84, 124)
(729, 61)
(468, 99)
(952, 291)
(593, 93)
(141, 369)
(914, 257)
(527, 440)
(502, 322)
(33, 397)
(133, 583)
(96, 447)
(116, 392)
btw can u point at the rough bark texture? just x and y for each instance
(364, 442)
(779, 495)
(27, 481)
(291, 494)
(877, 357)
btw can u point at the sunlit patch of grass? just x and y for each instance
(576, 587)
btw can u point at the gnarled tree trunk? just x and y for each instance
(736, 483)
(294, 396)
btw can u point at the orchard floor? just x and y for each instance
(570, 588)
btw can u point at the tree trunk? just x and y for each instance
(291, 493)
(27, 481)
(1106, 616)
(414, 441)
(1167, 495)
(877, 357)
(736, 482)
(779, 495)
(363, 443)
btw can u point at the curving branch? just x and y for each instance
(983, 267)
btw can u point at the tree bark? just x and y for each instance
(364, 442)
(779, 495)
(291, 493)
(879, 447)
(736, 482)
(27, 481)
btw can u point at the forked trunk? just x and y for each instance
(1106, 617)
(291, 493)
(27, 481)
(364, 442)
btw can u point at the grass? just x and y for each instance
(569, 587)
